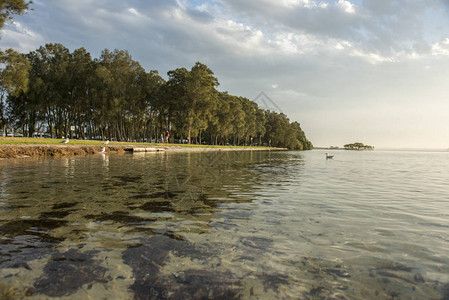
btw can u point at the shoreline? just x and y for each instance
(51, 150)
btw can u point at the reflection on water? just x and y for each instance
(226, 225)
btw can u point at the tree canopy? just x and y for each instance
(14, 78)
(113, 97)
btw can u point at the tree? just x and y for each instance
(118, 91)
(195, 96)
(238, 119)
(172, 106)
(80, 82)
(152, 84)
(221, 126)
(282, 133)
(12, 7)
(14, 79)
(51, 82)
(201, 98)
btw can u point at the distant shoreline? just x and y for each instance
(51, 150)
(387, 149)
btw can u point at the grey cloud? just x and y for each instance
(382, 26)
(200, 16)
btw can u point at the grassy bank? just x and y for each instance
(14, 147)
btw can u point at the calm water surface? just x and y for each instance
(250, 225)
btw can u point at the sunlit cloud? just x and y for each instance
(441, 48)
(346, 6)
(20, 37)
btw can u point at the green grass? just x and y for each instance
(45, 141)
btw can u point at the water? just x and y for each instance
(251, 225)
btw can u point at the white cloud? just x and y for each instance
(133, 11)
(373, 58)
(20, 37)
(441, 48)
(301, 3)
(346, 6)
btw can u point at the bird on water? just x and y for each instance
(102, 149)
(328, 156)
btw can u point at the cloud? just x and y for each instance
(441, 48)
(17, 36)
(384, 27)
(321, 61)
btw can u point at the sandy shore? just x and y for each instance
(24, 151)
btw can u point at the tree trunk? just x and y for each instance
(190, 127)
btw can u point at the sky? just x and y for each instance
(370, 71)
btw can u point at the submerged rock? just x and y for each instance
(66, 272)
(148, 258)
(19, 251)
(31, 227)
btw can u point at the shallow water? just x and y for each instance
(251, 225)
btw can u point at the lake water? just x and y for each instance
(250, 225)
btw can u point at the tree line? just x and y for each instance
(112, 97)
(358, 146)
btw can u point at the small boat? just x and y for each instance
(328, 156)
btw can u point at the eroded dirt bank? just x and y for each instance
(24, 151)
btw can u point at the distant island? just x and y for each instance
(353, 146)
(358, 146)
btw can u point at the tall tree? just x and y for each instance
(238, 119)
(151, 84)
(119, 77)
(80, 80)
(191, 97)
(221, 124)
(201, 97)
(14, 79)
(173, 104)
(51, 79)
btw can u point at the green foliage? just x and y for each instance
(14, 79)
(12, 7)
(114, 98)
(358, 146)
(14, 73)
(282, 133)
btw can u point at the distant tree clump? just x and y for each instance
(61, 93)
(358, 146)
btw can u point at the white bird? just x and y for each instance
(65, 141)
(328, 156)
(102, 149)
(106, 142)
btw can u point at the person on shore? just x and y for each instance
(162, 138)
(167, 136)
